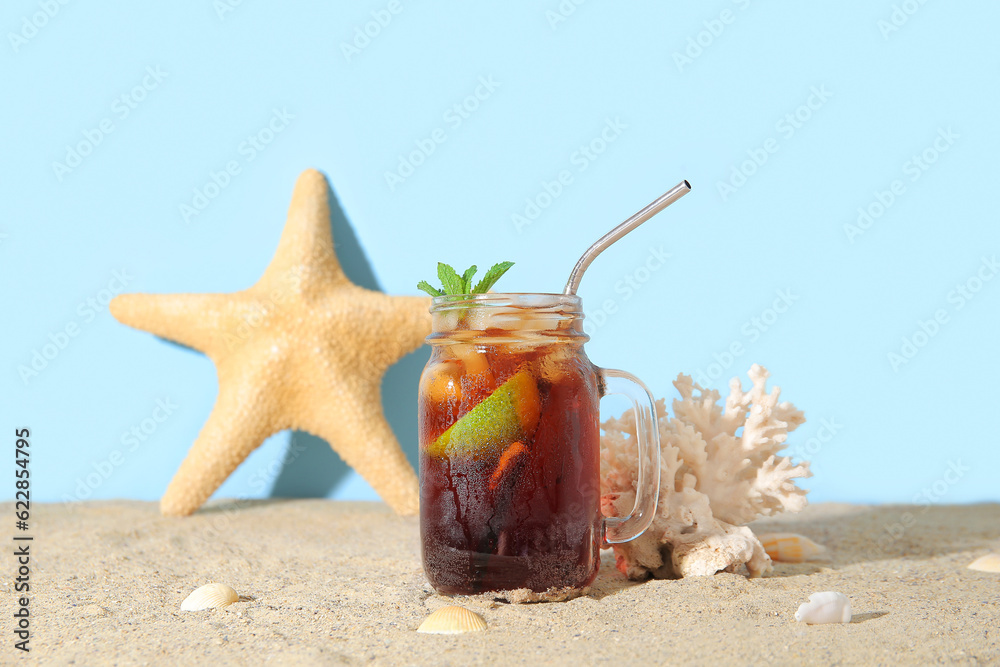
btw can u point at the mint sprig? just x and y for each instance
(453, 284)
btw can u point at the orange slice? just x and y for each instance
(507, 459)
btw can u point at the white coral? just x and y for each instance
(714, 479)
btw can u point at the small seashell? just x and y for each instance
(94, 610)
(791, 547)
(826, 607)
(209, 596)
(452, 621)
(987, 563)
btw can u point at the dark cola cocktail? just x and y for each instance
(509, 454)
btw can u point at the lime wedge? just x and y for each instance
(507, 415)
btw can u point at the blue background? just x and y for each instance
(787, 118)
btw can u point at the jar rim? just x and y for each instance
(568, 303)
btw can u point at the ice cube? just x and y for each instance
(477, 318)
(540, 322)
(559, 362)
(526, 321)
(472, 357)
(446, 320)
(440, 384)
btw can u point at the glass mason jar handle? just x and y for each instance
(647, 483)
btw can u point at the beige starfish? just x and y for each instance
(304, 348)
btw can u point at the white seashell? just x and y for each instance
(452, 621)
(987, 563)
(791, 547)
(210, 596)
(826, 607)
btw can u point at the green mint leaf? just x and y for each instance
(430, 289)
(451, 282)
(467, 279)
(491, 277)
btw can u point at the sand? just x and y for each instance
(326, 582)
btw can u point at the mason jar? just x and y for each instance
(509, 427)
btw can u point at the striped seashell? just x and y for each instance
(210, 596)
(452, 621)
(825, 607)
(987, 563)
(791, 547)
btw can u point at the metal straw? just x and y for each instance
(665, 200)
